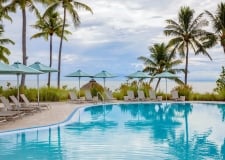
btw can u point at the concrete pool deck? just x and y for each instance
(58, 112)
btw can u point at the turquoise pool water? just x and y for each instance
(126, 131)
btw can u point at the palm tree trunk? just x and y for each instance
(50, 62)
(24, 44)
(60, 48)
(186, 65)
(157, 84)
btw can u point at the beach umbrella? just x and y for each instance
(139, 74)
(43, 68)
(104, 74)
(7, 69)
(78, 74)
(26, 70)
(166, 75)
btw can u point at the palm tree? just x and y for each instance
(161, 59)
(218, 21)
(23, 4)
(70, 6)
(188, 34)
(49, 24)
(3, 50)
(4, 12)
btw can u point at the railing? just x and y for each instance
(99, 94)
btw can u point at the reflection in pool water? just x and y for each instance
(127, 131)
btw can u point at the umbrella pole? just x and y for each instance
(18, 89)
(104, 82)
(38, 87)
(166, 90)
(79, 88)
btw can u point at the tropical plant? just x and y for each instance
(220, 83)
(4, 52)
(22, 5)
(188, 33)
(70, 6)
(49, 23)
(4, 13)
(218, 22)
(161, 59)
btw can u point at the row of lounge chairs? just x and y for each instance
(107, 96)
(152, 96)
(18, 110)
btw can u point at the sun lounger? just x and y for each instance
(74, 98)
(89, 98)
(28, 104)
(176, 97)
(19, 107)
(7, 113)
(152, 96)
(130, 96)
(108, 95)
(141, 96)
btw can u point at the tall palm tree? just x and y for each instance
(22, 5)
(161, 59)
(188, 33)
(49, 23)
(4, 12)
(4, 52)
(218, 21)
(70, 6)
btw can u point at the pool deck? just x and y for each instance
(58, 112)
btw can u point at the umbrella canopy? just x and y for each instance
(41, 67)
(139, 74)
(91, 84)
(166, 75)
(104, 74)
(25, 70)
(7, 69)
(78, 74)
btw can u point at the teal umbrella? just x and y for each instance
(78, 74)
(104, 74)
(7, 69)
(26, 70)
(139, 74)
(43, 68)
(166, 75)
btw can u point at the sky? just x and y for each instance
(114, 37)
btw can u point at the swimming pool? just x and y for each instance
(132, 131)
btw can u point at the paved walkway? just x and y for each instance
(59, 112)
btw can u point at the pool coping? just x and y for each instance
(73, 113)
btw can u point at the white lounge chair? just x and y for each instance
(176, 97)
(28, 104)
(7, 113)
(108, 95)
(141, 95)
(89, 98)
(19, 107)
(153, 97)
(130, 95)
